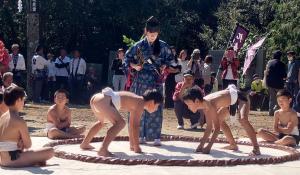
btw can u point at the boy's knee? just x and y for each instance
(120, 124)
(51, 135)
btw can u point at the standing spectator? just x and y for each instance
(51, 76)
(92, 83)
(197, 66)
(229, 66)
(207, 74)
(258, 93)
(157, 55)
(275, 75)
(17, 65)
(292, 81)
(119, 78)
(77, 75)
(181, 109)
(182, 61)
(214, 85)
(39, 65)
(62, 71)
(170, 82)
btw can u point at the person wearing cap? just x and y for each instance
(17, 65)
(156, 55)
(258, 91)
(119, 78)
(197, 66)
(181, 109)
(292, 81)
(275, 75)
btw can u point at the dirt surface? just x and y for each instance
(35, 116)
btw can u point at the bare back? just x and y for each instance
(219, 99)
(13, 128)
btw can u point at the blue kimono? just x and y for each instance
(148, 78)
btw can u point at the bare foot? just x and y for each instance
(86, 146)
(231, 147)
(105, 153)
(255, 152)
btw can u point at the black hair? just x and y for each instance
(62, 91)
(230, 48)
(152, 26)
(1, 97)
(12, 94)
(38, 48)
(283, 92)
(192, 94)
(153, 95)
(277, 54)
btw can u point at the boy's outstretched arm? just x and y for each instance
(134, 124)
(216, 125)
(206, 133)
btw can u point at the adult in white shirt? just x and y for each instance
(51, 76)
(77, 73)
(39, 72)
(17, 65)
(182, 60)
(62, 70)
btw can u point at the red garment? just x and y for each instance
(178, 88)
(234, 67)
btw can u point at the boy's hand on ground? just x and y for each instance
(206, 150)
(137, 149)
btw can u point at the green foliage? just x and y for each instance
(128, 41)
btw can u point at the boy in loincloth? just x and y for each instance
(58, 124)
(14, 135)
(216, 109)
(285, 123)
(106, 105)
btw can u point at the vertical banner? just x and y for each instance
(238, 38)
(251, 52)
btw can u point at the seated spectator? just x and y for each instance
(285, 123)
(58, 124)
(258, 93)
(181, 109)
(14, 137)
(7, 80)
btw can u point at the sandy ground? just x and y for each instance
(35, 116)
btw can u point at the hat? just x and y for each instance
(291, 52)
(255, 77)
(188, 73)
